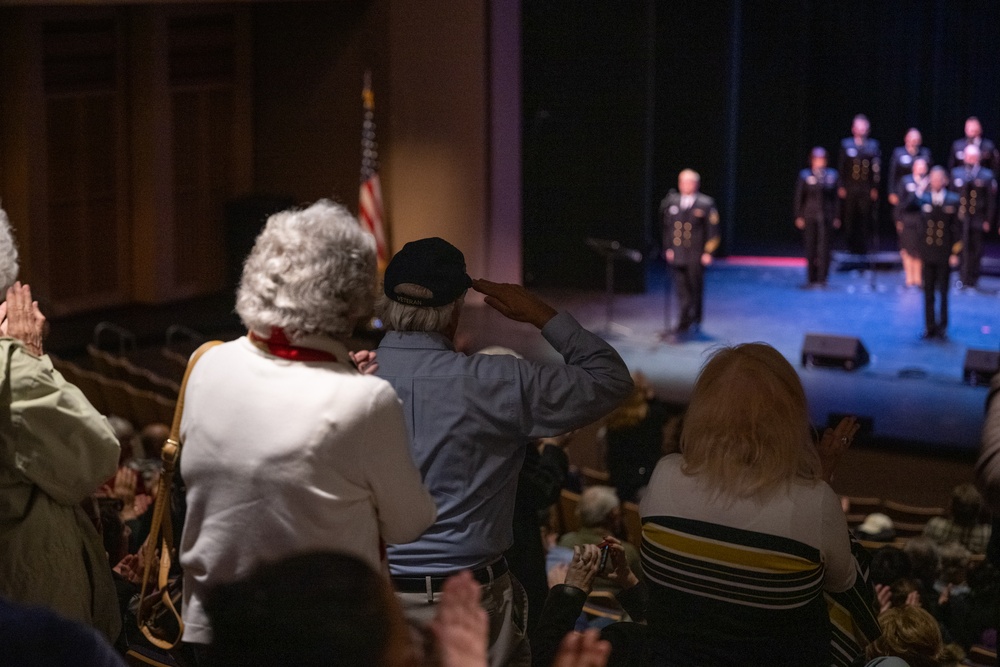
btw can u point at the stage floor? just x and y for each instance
(912, 390)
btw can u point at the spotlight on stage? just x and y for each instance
(829, 351)
(980, 366)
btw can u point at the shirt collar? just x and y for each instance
(418, 340)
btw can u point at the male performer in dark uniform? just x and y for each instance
(860, 168)
(976, 187)
(939, 247)
(901, 164)
(815, 209)
(988, 155)
(690, 236)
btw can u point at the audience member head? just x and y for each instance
(955, 560)
(152, 438)
(746, 431)
(877, 527)
(634, 408)
(310, 609)
(901, 591)
(910, 633)
(966, 504)
(599, 507)
(424, 288)
(920, 167)
(925, 559)
(311, 271)
(8, 254)
(913, 139)
(973, 128)
(889, 565)
(125, 433)
(688, 181)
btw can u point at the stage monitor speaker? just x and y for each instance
(830, 351)
(980, 366)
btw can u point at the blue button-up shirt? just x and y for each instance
(469, 418)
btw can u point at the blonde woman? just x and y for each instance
(741, 534)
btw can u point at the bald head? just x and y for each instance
(971, 155)
(688, 182)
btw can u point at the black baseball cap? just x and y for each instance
(433, 264)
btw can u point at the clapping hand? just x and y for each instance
(461, 626)
(834, 443)
(617, 569)
(20, 318)
(584, 567)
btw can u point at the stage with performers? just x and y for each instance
(910, 393)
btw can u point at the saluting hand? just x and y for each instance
(515, 302)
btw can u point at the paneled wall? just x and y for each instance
(125, 128)
(125, 131)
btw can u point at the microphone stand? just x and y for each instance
(611, 251)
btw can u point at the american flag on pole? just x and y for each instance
(370, 197)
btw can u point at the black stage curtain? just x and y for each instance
(804, 69)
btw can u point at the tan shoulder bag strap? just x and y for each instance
(161, 529)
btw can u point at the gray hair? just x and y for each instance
(311, 271)
(397, 316)
(8, 255)
(596, 504)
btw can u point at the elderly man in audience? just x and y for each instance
(469, 419)
(600, 515)
(55, 451)
(963, 526)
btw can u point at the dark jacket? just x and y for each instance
(689, 232)
(860, 166)
(816, 196)
(941, 234)
(976, 188)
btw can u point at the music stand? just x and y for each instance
(611, 251)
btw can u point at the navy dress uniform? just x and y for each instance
(690, 229)
(939, 241)
(901, 165)
(976, 188)
(860, 167)
(816, 203)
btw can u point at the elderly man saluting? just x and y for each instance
(469, 417)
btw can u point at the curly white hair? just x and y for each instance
(311, 271)
(8, 255)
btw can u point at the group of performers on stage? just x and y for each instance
(941, 215)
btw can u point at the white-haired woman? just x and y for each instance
(741, 534)
(55, 451)
(287, 447)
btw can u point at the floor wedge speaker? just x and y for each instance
(830, 351)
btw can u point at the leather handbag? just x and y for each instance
(158, 614)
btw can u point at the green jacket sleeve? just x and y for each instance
(59, 441)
